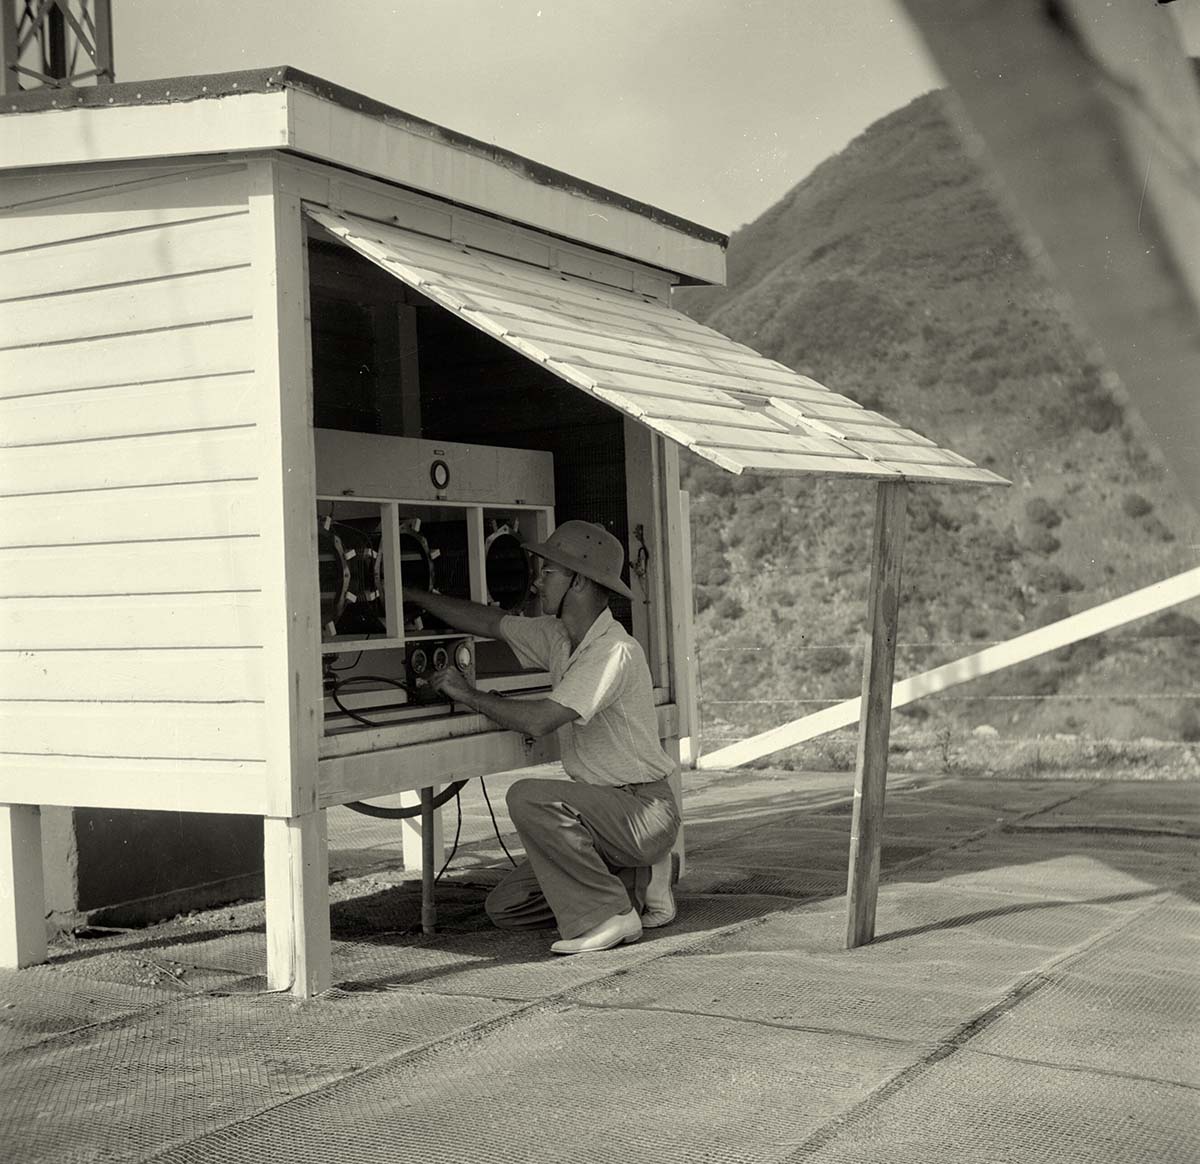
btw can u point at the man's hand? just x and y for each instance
(531, 717)
(451, 683)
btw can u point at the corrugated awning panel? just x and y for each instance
(719, 398)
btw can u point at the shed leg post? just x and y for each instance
(428, 861)
(297, 900)
(22, 895)
(874, 725)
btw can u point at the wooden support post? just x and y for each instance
(647, 543)
(870, 776)
(684, 687)
(297, 901)
(679, 849)
(22, 897)
(428, 862)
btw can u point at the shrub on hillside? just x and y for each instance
(1051, 579)
(1046, 681)
(1043, 541)
(1135, 505)
(826, 660)
(1100, 413)
(1085, 652)
(1054, 611)
(1187, 723)
(983, 380)
(1158, 530)
(729, 608)
(1169, 624)
(709, 567)
(1041, 512)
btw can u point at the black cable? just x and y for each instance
(337, 684)
(414, 810)
(362, 806)
(373, 679)
(495, 826)
(457, 834)
(348, 666)
(405, 813)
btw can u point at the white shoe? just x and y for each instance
(617, 930)
(660, 908)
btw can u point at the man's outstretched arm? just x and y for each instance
(471, 617)
(531, 717)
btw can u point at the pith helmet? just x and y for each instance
(587, 549)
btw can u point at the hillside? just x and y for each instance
(891, 275)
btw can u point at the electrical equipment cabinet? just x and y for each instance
(397, 512)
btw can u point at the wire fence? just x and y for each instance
(1151, 705)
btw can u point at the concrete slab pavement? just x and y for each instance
(1031, 995)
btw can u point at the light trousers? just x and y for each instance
(588, 852)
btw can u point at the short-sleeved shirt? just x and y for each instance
(606, 681)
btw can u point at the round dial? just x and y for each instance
(420, 662)
(439, 474)
(462, 657)
(441, 659)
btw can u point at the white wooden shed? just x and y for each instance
(269, 347)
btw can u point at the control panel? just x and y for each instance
(396, 513)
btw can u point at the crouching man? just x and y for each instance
(598, 845)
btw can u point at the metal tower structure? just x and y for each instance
(55, 43)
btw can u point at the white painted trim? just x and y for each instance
(64, 137)
(287, 482)
(1107, 616)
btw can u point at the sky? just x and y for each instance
(711, 109)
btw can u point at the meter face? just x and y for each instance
(462, 657)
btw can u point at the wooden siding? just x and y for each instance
(131, 643)
(656, 365)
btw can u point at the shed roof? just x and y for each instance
(695, 386)
(285, 109)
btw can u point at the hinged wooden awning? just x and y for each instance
(695, 386)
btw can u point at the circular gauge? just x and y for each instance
(439, 474)
(419, 661)
(441, 658)
(462, 657)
